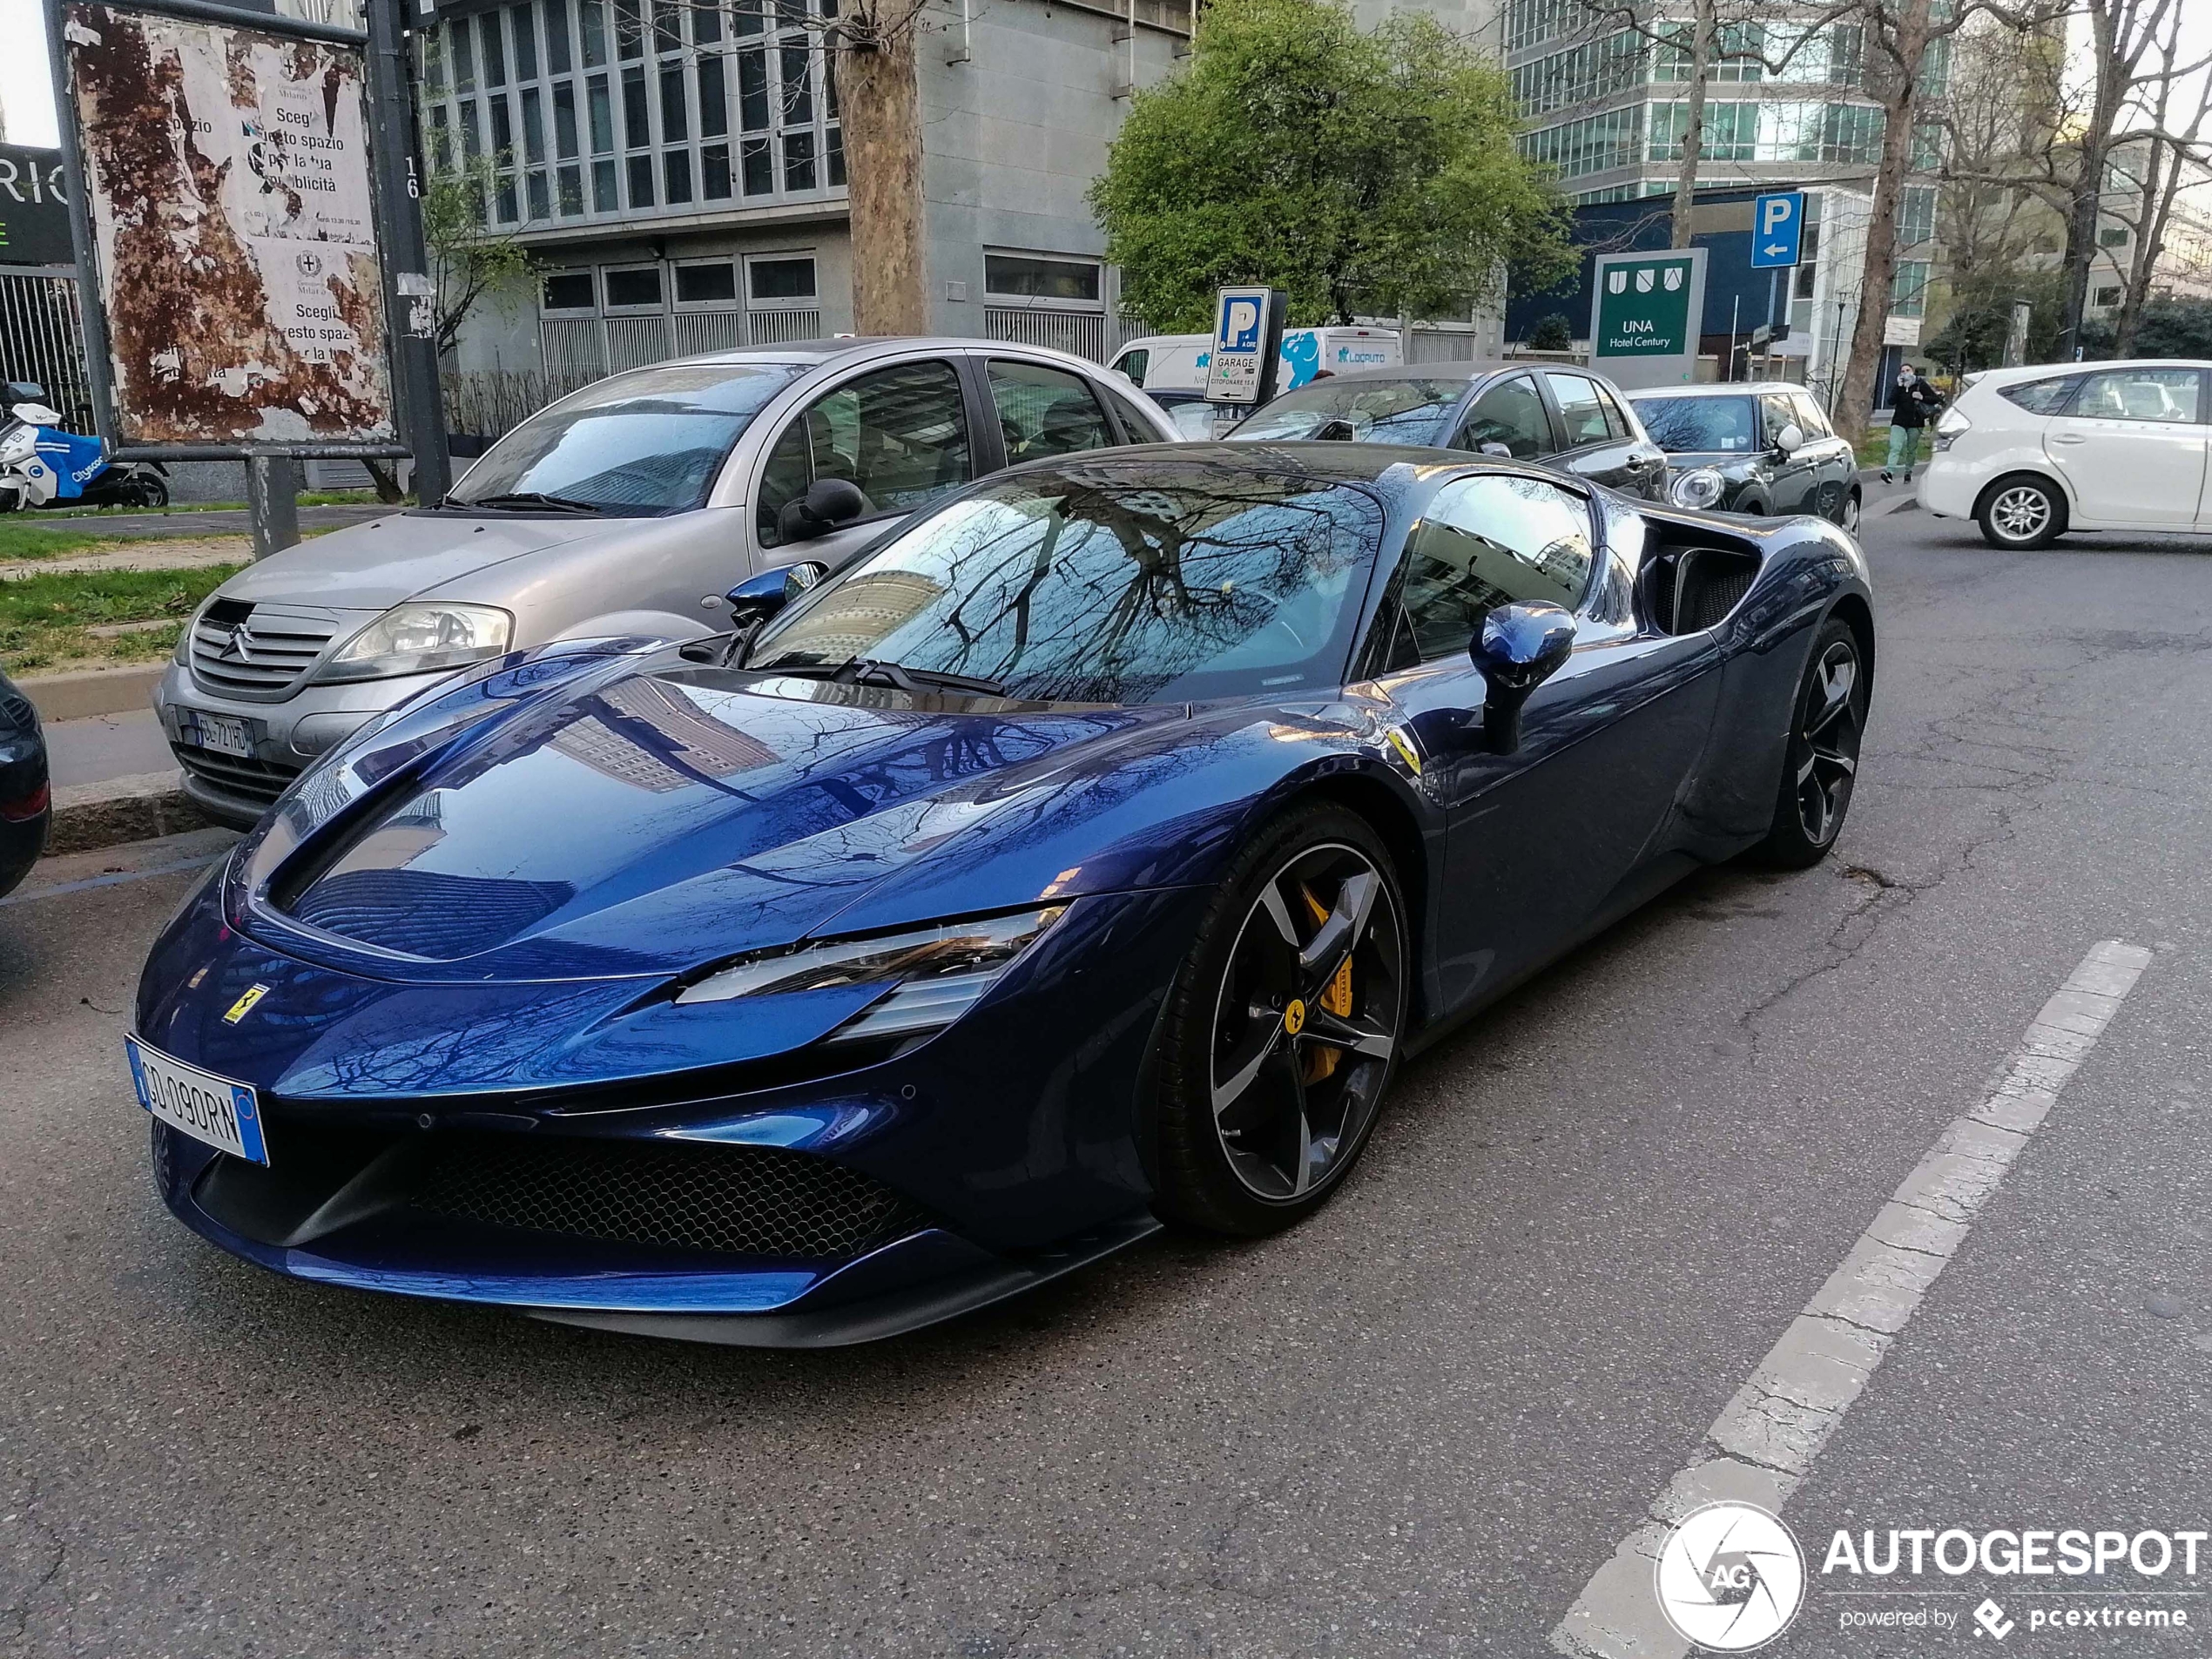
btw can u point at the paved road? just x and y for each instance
(101, 748)
(1416, 1426)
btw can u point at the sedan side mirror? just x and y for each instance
(758, 598)
(827, 503)
(1492, 447)
(1790, 439)
(1521, 646)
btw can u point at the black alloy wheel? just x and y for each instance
(1283, 1029)
(1822, 761)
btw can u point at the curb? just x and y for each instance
(91, 816)
(93, 691)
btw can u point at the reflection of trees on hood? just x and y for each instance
(1195, 569)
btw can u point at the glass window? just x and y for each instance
(799, 83)
(798, 160)
(640, 286)
(676, 165)
(1045, 411)
(565, 134)
(1364, 410)
(1137, 425)
(629, 29)
(1512, 414)
(495, 56)
(1082, 584)
(674, 128)
(2139, 395)
(1778, 413)
(1488, 541)
(603, 116)
(637, 123)
(1579, 409)
(714, 108)
(638, 444)
(1133, 363)
(698, 284)
(776, 281)
(1811, 416)
(592, 25)
(1022, 277)
(2040, 397)
(557, 36)
(1700, 425)
(525, 44)
(901, 434)
(570, 290)
(714, 171)
(1617, 418)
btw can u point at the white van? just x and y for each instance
(1177, 362)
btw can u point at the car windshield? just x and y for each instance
(1701, 424)
(635, 445)
(1107, 584)
(1364, 410)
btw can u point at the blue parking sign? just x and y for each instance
(1777, 230)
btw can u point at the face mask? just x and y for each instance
(1907, 377)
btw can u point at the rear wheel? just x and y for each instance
(1848, 514)
(2021, 514)
(1822, 761)
(1283, 1028)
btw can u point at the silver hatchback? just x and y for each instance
(630, 507)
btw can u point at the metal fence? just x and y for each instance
(42, 340)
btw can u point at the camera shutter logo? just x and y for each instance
(1731, 1578)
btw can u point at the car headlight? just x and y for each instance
(1699, 486)
(936, 973)
(421, 638)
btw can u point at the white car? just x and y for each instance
(2030, 454)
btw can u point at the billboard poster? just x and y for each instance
(1645, 322)
(226, 173)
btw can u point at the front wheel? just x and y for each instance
(1822, 763)
(1283, 1028)
(2022, 514)
(1847, 515)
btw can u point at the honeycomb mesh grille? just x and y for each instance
(740, 1200)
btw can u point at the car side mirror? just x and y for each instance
(758, 598)
(1521, 646)
(1492, 447)
(827, 503)
(1790, 439)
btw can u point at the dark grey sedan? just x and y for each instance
(1764, 448)
(1569, 418)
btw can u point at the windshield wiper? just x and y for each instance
(523, 501)
(865, 671)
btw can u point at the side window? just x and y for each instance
(900, 434)
(1488, 542)
(2040, 397)
(1134, 363)
(1579, 408)
(1810, 416)
(1775, 412)
(1511, 414)
(1137, 425)
(2139, 395)
(1045, 411)
(1616, 419)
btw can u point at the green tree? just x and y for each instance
(470, 260)
(1370, 173)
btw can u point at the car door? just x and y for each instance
(902, 433)
(1044, 411)
(2131, 447)
(1836, 464)
(1507, 418)
(1540, 838)
(1793, 476)
(1599, 442)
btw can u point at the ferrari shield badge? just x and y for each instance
(244, 1006)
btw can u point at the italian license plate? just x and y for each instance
(197, 1102)
(225, 733)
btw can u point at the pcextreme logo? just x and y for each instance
(1731, 1578)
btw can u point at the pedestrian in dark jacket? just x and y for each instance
(1916, 404)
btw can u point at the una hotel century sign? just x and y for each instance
(1646, 316)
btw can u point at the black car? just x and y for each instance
(1762, 448)
(25, 801)
(1569, 418)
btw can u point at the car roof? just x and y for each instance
(1717, 388)
(2038, 371)
(1347, 463)
(815, 352)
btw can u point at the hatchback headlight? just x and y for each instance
(421, 638)
(936, 973)
(1699, 486)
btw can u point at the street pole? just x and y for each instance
(1735, 306)
(272, 502)
(406, 262)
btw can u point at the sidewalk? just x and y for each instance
(105, 747)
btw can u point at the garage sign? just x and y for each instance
(1646, 315)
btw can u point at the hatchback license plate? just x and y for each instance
(225, 733)
(199, 1103)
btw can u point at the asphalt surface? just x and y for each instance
(227, 521)
(1416, 1425)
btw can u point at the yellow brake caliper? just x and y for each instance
(1320, 1062)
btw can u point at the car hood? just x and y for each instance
(376, 565)
(642, 815)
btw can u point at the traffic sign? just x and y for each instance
(1247, 335)
(1777, 230)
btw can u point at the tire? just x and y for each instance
(2020, 515)
(1827, 720)
(1256, 1115)
(152, 493)
(1848, 514)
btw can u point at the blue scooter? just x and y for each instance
(42, 465)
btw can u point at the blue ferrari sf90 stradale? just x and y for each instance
(1087, 854)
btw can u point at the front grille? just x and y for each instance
(742, 1200)
(255, 780)
(260, 653)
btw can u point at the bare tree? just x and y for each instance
(2174, 139)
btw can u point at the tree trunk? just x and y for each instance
(1901, 88)
(2114, 71)
(385, 477)
(2154, 201)
(1693, 127)
(879, 105)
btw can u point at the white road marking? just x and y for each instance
(1759, 1449)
